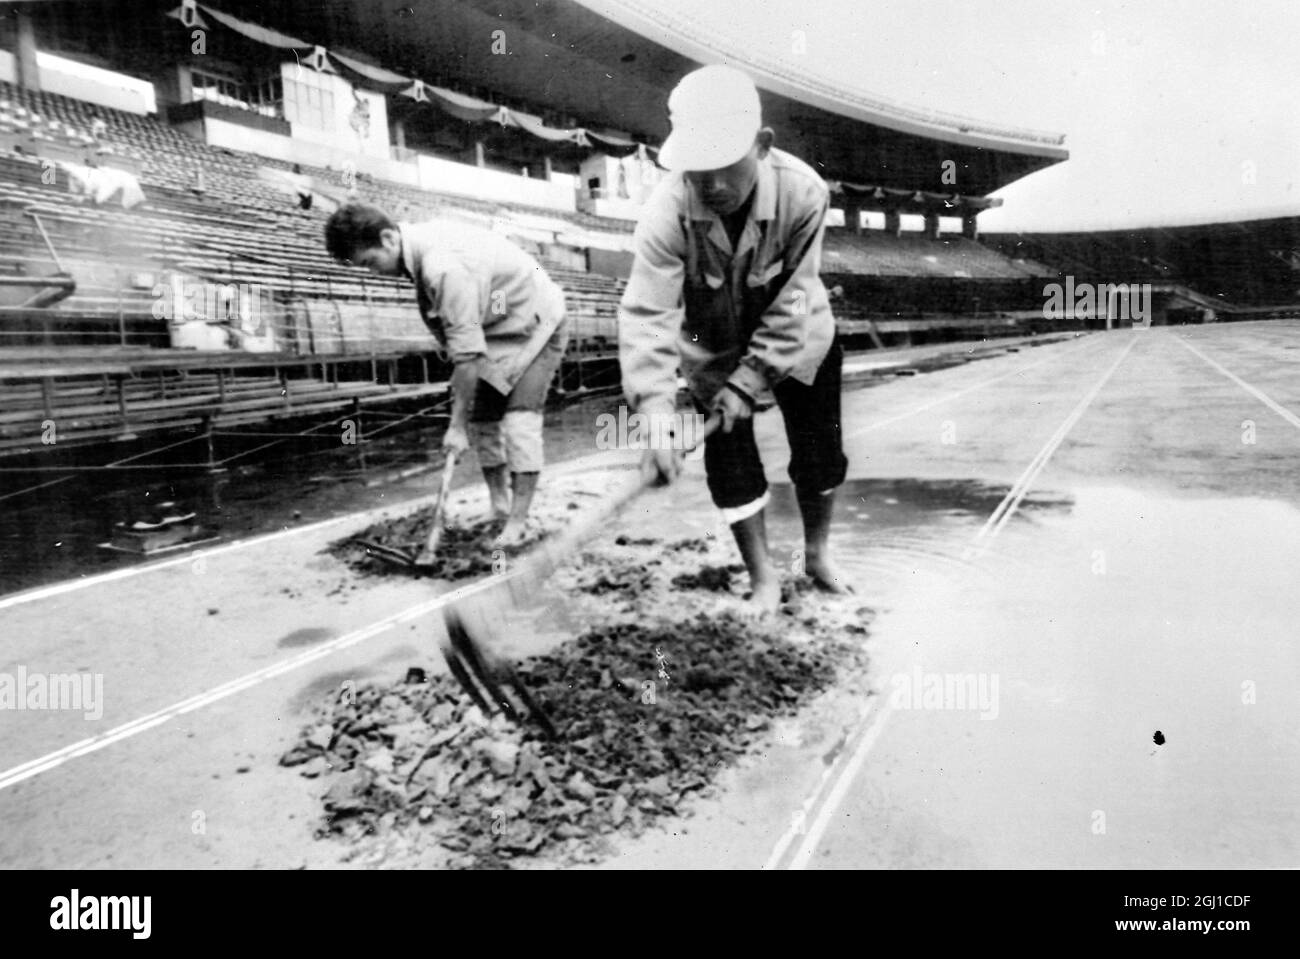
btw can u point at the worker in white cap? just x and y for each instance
(725, 285)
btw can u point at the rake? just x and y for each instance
(471, 627)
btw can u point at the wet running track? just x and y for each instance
(1082, 559)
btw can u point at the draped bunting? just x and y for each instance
(460, 105)
(619, 146)
(533, 125)
(386, 80)
(263, 35)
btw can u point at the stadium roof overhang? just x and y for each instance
(612, 63)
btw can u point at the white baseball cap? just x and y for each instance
(715, 115)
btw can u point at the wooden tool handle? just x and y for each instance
(529, 571)
(439, 510)
(448, 468)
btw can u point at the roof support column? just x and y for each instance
(932, 226)
(893, 223)
(853, 215)
(480, 154)
(969, 228)
(28, 74)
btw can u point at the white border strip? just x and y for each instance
(999, 517)
(1260, 395)
(581, 464)
(27, 770)
(962, 392)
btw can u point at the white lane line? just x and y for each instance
(34, 767)
(858, 744)
(1005, 509)
(873, 722)
(1260, 395)
(862, 431)
(798, 824)
(841, 788)
(72, 585)
(362, 517)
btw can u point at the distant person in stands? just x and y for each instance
(501, 319)
(726, 285)
(302, 184)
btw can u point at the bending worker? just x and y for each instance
(500, 318)
(726, 285)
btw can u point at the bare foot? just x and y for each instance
(514, 534)
(765, 598)
(824, 574)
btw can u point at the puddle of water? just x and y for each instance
(306, 637)
(54, 534)
(887, 532)
(1125, 614)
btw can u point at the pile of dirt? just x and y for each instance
(466, 548)
(463, 551)
(651, 704)
(714, 578)
(638, 735)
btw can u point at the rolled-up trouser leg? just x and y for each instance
(521, 434)
(522, 419)
(489, 443)
(734, 472)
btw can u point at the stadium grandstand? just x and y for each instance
(1246, 270)
(166, 170)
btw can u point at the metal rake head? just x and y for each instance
(490, 681)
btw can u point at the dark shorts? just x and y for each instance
(812, 428)
(530, 392)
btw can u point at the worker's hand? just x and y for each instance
(732, 407)
(455, 441)
(660, 467)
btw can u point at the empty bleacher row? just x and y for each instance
(97, 396)
(875, 253)
(1247, 266)
(243, 230)
(172, 159)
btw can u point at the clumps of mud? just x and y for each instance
(665, 690)
(647, 715)
(466, 548)
(463, 551)
(717, 579)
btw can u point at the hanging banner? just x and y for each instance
(385, 81)
(271, 38)
(460, 105)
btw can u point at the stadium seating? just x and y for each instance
(875, 253)
(242, 229)
(210, 218)
(1245, 267)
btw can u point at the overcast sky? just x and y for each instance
(1174, 112)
